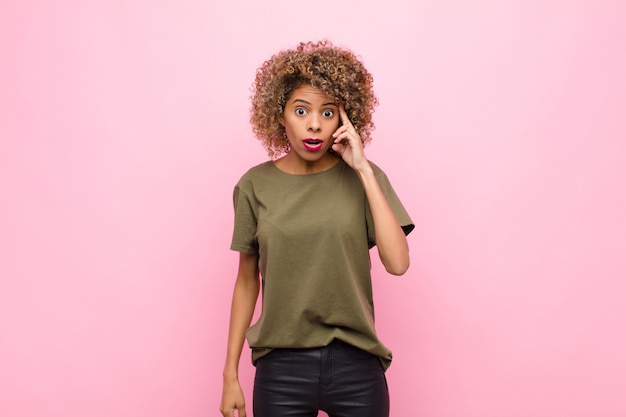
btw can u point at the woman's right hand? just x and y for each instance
(232, 400)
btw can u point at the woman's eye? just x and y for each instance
(300, 111)
(328, 113)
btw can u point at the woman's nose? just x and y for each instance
(314, 124)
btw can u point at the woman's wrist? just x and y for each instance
(364, 169)
(366, 173)
(230, 375)
(231, 371)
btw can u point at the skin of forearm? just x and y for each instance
(392, 245)
(245, 296)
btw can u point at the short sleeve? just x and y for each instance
(244, 231)
(396, 206)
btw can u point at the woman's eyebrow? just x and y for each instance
(299, 100)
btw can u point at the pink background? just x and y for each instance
(124, 126)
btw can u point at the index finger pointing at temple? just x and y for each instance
(344, 116)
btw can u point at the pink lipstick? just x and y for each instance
(312, 144)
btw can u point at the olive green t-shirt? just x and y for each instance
(312, 233)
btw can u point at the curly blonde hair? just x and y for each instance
(337, 72)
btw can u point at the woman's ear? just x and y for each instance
(281, 119)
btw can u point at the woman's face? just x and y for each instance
(310, 118)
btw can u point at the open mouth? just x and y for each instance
(312, 145)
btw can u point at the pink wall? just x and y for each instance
(124, 126)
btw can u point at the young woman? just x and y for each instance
(304, 224)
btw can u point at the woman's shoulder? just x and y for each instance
(257, 173)
(261, 168)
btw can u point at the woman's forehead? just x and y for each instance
(308, 92)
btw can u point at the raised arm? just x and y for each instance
(244, 300)
(393, 248)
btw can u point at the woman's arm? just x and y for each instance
(245, 296)
(393, 248)
(391, 242)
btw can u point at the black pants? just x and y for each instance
(339, 379)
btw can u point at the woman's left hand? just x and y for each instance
(347, 143)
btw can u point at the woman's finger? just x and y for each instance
(343, 116)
